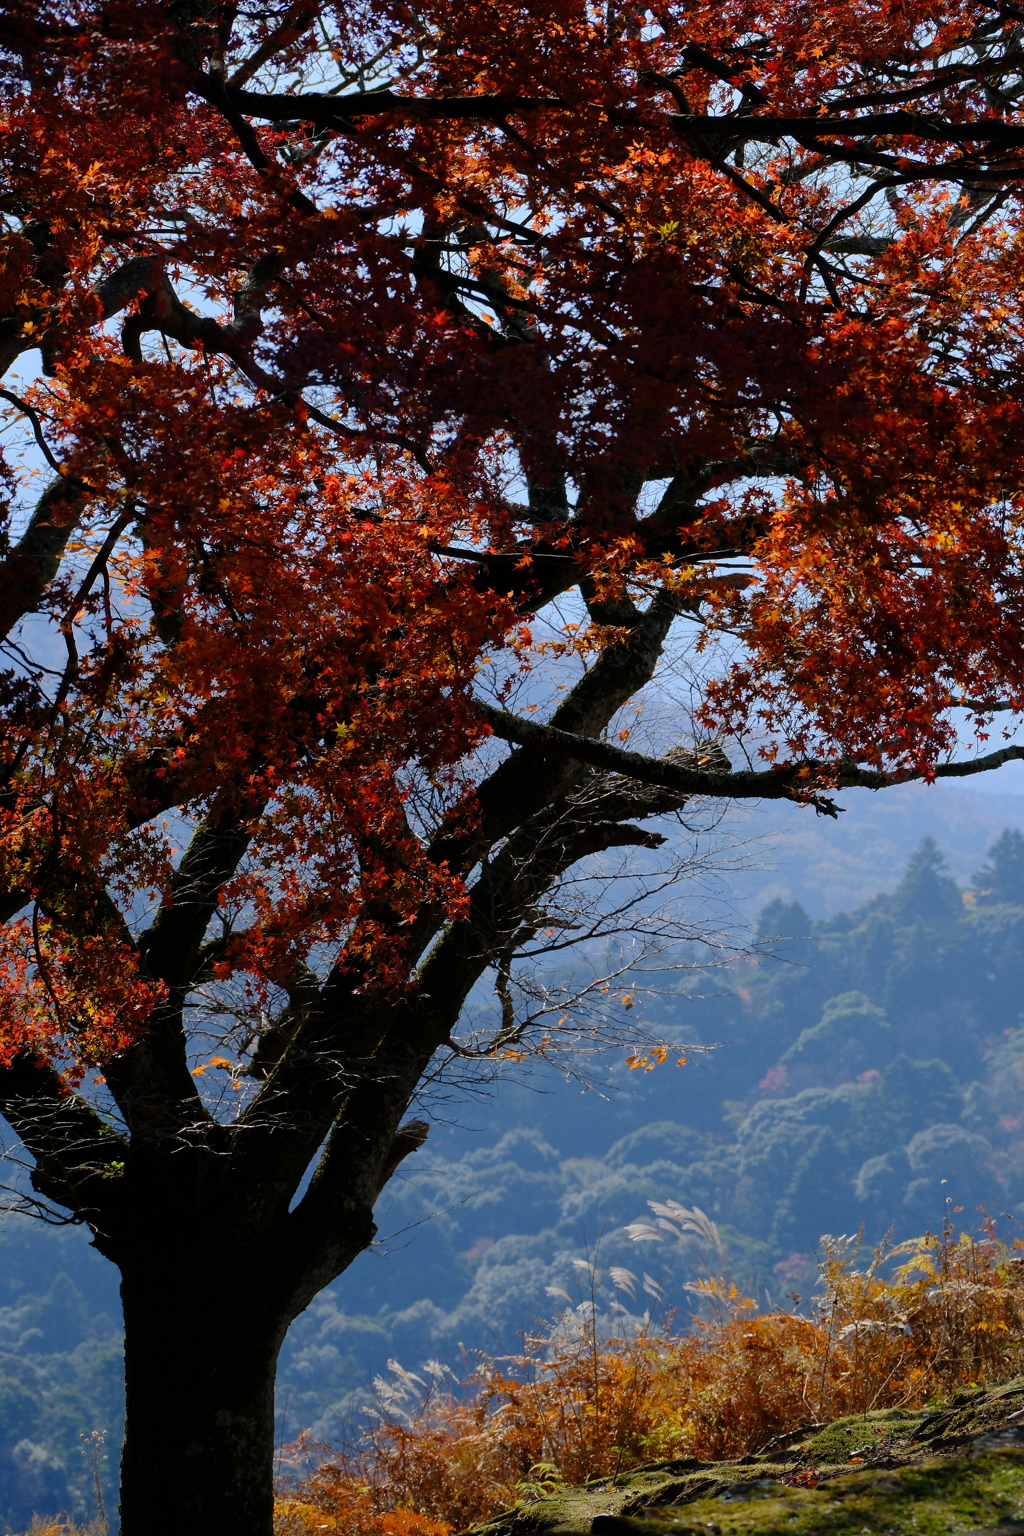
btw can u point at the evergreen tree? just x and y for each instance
(780, 919)
(1001, 877)
(927, 892)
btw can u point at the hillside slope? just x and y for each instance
(957, 1469)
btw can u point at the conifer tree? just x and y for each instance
(1001, 877)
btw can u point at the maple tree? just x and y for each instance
(356, 336)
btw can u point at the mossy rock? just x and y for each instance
(959, 1468)
(933, 1498)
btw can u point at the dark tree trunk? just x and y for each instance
(200, 1360)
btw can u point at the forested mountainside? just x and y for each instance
(876, 1054)
(60, 1371)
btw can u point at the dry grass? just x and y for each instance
(44, 1527)
(903, 1329)
(330, 1503)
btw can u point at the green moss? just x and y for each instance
(849, 1437)
(933, 1498)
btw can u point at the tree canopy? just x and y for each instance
(356, 337)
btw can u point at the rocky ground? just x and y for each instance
(895, 1473)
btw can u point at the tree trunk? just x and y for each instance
(200, 1360)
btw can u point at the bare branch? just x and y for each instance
(296, 20)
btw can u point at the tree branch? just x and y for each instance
(765, 128)
(79, 1158)
(341, 111)
(151, 1082)
(522, 786)
(796, 781)
(161, 310)
(295, 21)
(35, 559)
